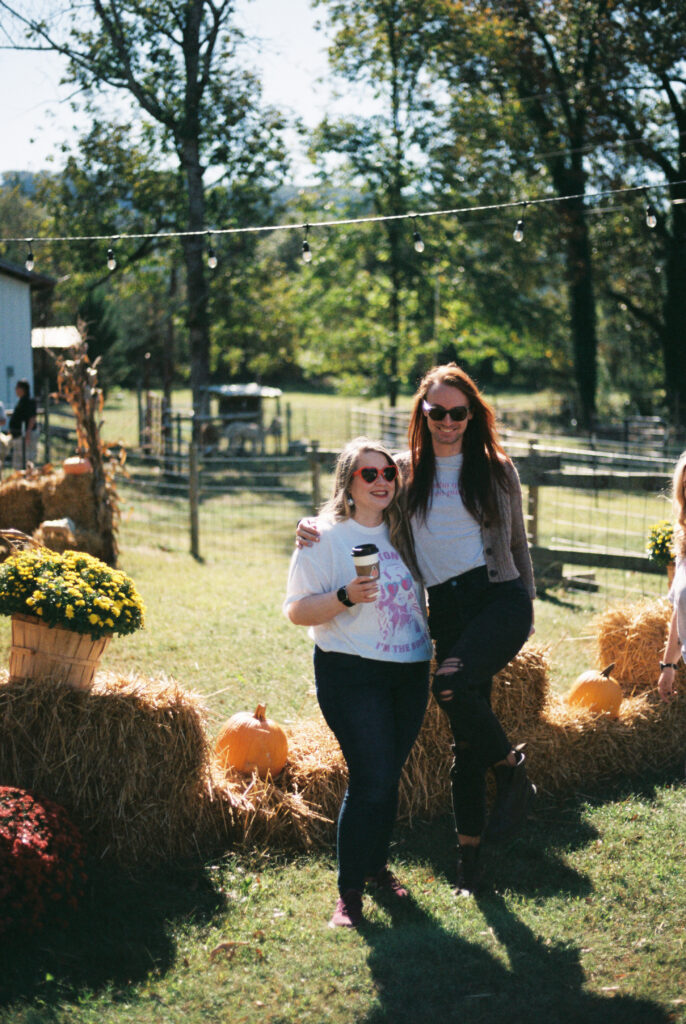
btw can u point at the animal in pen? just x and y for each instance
(244, 438)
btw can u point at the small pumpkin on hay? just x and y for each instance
(252, 742)
(597, 691)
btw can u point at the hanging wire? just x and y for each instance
(372, 219)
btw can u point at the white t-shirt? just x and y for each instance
(392, 628)
(677, 595)
(448, 542)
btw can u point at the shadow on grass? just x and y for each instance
(121, 932)
(447, 978)
(424, 972)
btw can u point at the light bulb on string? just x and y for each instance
(212, 260)
(651, 216)
(518, 233)
(29, 263)
(417, 238)
(306, 251)
(111, 258)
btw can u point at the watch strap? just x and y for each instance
(667, 664)
(342, 595)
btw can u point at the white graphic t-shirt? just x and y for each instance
(392, 628)
(448, 542)
(677, 595)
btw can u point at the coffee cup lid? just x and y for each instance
(364, 550)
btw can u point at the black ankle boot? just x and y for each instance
(469, 868)
(514, 795)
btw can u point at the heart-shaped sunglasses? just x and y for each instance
(370, 473)
(438, 412)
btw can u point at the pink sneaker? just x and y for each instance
(348, 912)
(385, 881)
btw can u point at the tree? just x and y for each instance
(176, 62)
(644, 55)
(539, 65)
(379, 45)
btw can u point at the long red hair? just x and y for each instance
(483, 466)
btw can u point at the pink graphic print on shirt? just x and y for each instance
(399, 615)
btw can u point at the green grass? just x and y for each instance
(586, 923)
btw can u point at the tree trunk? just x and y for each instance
(674, 332)
(582, 312)
(197, 317)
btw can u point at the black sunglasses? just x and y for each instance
(437, 412)
(370, 473)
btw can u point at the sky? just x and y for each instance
(35, 113)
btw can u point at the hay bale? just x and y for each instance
(522, 688)
(633, 636)
(21, 503)
(72, 495)
(298, 809)
(570, 748)
(128, 760)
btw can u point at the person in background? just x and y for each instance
(22, 426)
(463, 501)
(371, 659)
(676, 638)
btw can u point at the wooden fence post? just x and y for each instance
(194, 497)
(532, 498)
(316, 476)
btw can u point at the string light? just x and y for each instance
(518, 233)
(372, 219)
(418, 241)
(651, 216)
(111, 258)
(30, 262)
(306, 252)
(212, 260)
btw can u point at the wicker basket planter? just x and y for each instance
(39, 650)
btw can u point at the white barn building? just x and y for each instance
(16, 359)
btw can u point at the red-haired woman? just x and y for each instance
(464, 502)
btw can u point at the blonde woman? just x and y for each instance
(676, 639)
(371, 659)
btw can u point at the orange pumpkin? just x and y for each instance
(597, 691)
(250, 742)
(75, 465)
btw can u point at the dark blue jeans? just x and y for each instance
(375, 711)
(483, 625)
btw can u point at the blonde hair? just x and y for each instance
(679, 507)
(340, 505)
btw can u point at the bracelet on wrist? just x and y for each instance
(667, 664)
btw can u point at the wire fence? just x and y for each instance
(589, 506)
(588, 514)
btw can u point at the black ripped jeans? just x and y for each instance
(483, 625)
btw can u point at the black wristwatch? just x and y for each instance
(342, 595)
(667, 664)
